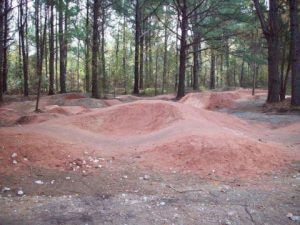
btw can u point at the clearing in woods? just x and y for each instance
(210, 158)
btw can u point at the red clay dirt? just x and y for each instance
(163, 135)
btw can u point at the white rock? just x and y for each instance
(5, 189)
(125, 177)
(14, 162)
(293, 218)
(25, 159)
(52, 181)
(20, 192)
(162, 203)
(14, 155)
(68, 178)
(39, 182)
(146, 177)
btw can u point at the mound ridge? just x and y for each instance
(211, 100)
(224, 155)
(136, 118)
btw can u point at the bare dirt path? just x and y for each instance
(156, 162)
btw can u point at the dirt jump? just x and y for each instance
(210, 158)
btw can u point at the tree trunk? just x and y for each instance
(183, 48)
(96, 8)
(40, 49)
(66, 40)
(242, 74)
(141, 80)
(87, 49)
(255, 71)
(56, 54)
(137, 44)
(196, 60)
(1, 48)
(124, 54)
(24, 48)
(62, 57)
(156, 69)
(51, 49)
(5, 44)
(176, 58)
(165, 53)
(295, 43)
(103, 62)
(212, 70)
(271, 32)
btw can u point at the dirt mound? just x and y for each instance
(36, 118)
(224, 156)
(35, 150)
(66, 110)
(130, 119)
(111, 102)
(8, 117)
(70, 96)
(128, 98)
(84, 102)
(211, 100)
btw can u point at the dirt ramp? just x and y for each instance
(212, 100)
(36, 118)
(136, 118)
(228, 156)
(66, 110)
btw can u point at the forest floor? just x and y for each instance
(221, 158)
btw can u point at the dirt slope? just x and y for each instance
(162, 135)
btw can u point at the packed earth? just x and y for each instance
(222, 157)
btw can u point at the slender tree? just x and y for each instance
(1, 47)
(295, 52)
(62, 56)
(95, 49)
(271, 33)
(137, 45)
(51, 50)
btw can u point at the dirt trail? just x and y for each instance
(109, 149)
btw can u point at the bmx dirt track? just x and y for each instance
(210, 158)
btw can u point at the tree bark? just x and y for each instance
(96, 8)
(124, 54)
(137, 44)
(40, 49)
(51, 49)
(103, 62)
(165, 53)
(295, 54)
(212, 70)
(196, 60)
(271, 33)
(183, 48)
(87, 48)
(1, 48)
(5, 44)
(142, 39)
(24, 48)
(62, 57)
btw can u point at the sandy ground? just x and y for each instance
(211, 158)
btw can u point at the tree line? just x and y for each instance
(109, 47)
